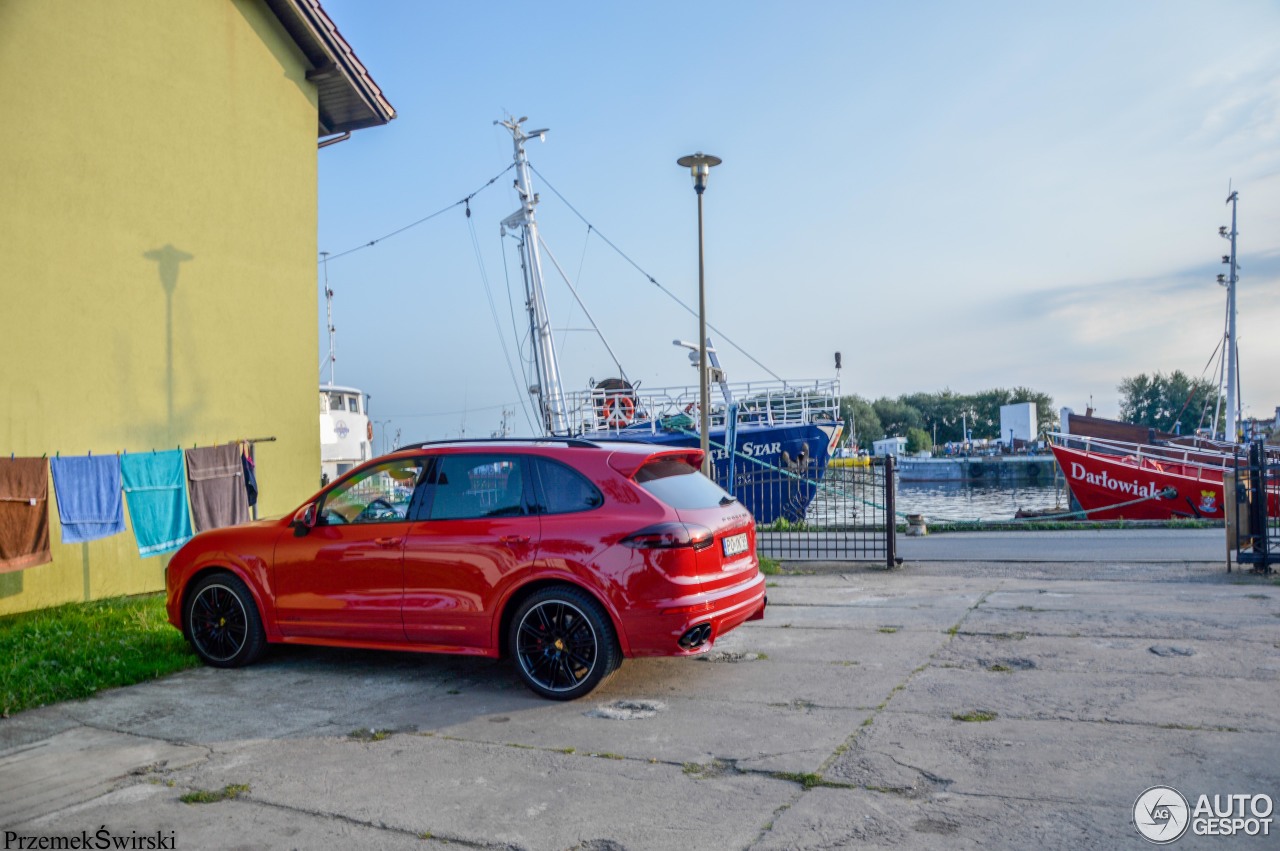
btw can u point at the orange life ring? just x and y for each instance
(368, 430)
(619, 410)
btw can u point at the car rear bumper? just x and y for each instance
(656, 631)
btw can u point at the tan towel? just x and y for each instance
(218, 496)
(24, 513)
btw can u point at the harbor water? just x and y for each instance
(856, 497)
(972, 501)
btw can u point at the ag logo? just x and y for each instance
(341, 428)
(1161, 815)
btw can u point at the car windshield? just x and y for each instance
(378, 495)
(679, 485)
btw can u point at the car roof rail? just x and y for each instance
(576, 442)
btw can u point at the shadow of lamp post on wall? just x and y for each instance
(700, 166)
(168, 260)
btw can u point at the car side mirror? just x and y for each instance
(305, 520)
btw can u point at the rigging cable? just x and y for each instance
(493, 310)
(590, 319)
(1191, 394)
(652, 280)
(1222, 369)
(425, 219)
(515, 332)
(582, 262)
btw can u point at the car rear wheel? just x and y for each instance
(563, 643)
(222, 622)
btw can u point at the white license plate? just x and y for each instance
(735, 544)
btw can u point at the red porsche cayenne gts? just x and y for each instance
(565, 555)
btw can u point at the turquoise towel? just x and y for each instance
(155, 486)
(88, 492)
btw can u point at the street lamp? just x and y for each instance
(700, 166)
(382, 424)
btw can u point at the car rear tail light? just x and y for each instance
(671, 536)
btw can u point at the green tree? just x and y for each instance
(896, 416)
(1174, 402)
(943, 414)
(918, 440)
(865, 422)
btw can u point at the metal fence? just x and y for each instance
(832, 514)
(1252, 501)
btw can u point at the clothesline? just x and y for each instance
(170, 494)
(249, 440)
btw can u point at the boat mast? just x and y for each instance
(555, 420)
(1233, 391)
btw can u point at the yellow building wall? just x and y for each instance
(157, 252)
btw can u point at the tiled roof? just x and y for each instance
(349, 98)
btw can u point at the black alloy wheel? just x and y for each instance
(563, 643)
(222, 622)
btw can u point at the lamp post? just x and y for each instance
(382, 426)
(700, 166)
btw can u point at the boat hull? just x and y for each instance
(1112, 487)
(776, 468)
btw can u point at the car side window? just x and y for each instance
(466, 487)
(564, 490)
(380, 494)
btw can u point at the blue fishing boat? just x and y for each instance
(770, 441)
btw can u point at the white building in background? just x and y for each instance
(1018, 422)
(895, 446)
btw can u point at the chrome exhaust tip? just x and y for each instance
(696, 636)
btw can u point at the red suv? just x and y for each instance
(565, 555)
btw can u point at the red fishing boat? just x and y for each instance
(1112, 480)
(1116, 480)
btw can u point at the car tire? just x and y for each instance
(563, 643)
(222, 622)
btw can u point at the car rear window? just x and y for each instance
(677, 484)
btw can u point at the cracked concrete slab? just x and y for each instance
(796, 736)
(1154, 699)
(78, 765)
(1104, 655)
(481, 793)
(1060, 763)
(856, 818)
(153, 808)
(1196, 624)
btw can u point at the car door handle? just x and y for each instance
(514, 539)
(387, 543)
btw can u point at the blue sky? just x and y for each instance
(951, 195)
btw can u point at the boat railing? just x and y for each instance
(1193, 461)
(675, 408)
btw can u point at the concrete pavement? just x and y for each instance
(835, 722)
(1100, 546)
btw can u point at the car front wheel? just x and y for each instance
(563, 643)
(222, 622)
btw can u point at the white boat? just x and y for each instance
(346, 432)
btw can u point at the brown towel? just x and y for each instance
(218, 496)
(24, 513)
